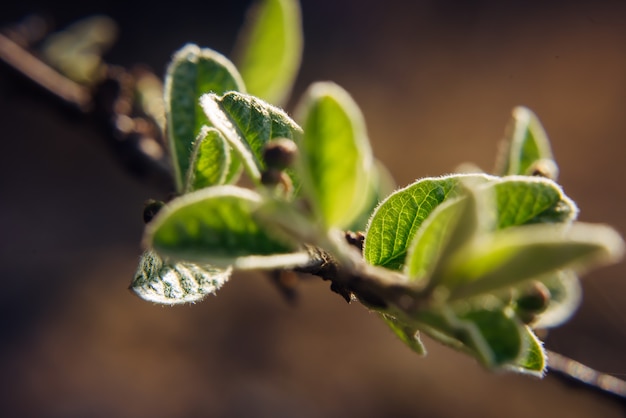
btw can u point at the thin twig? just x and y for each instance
(577, 373)
(45, 76)
(132, 132)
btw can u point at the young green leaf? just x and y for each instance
(217, 225)
(510, 256)
(532, 359)
(248, 123)
(526, 149)
(210, 160)
(380, 186)
(192, 73)
(407, 334)
(398, 218)
(336, 158)
(270, 50)
(175, 283)
(525, 200)
(427, 248)
(491, 334)
(496, 335)
(518, 200)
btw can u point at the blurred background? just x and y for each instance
(436, 81)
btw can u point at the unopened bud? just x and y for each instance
(280, 153)
(151, 208)
(534, 299)
(356, 239)
(544, 168)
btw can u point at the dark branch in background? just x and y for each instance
(111, 104)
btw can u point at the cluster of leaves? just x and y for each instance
(473, 260)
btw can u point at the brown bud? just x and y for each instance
(534, 299)
(280, 153)
(271, 177)
(544, 168)
(151, 208)
(356, 239)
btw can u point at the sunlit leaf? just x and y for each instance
(177, 282)
(210, 160)
(398, 218)
(336, 157)
(513, 255)
(270, 50)
(526, 149)
(532, 359)
(429, 244)
(218, 226)
(518, 200)
(380, 186)
(192, 73)
(248, 123)
(523, 200)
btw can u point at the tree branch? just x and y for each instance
(369, 288)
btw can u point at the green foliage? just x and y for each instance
(175, 283)
(336, 156)
(248, 124)
(408, 335)
(218, 225)
(526, 149)
(210, 160)
(192, 73)
(270, 49)
(397, 219)
(475, 261)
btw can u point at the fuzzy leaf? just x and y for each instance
(192, 73)
(270, 50)
(407, 334)
(398, 218)
(519, 200)
(175, 283)
(428, 246)
(511, 256)
(248, 123)
(532, 359)
(494, 334)
(210, 160)
(336, 157)
(526, 147)
(380, 186)
(491, 334)
(524, 200)
(217, 225)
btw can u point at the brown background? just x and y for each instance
(436, 81)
